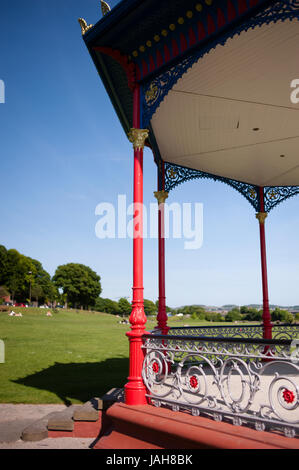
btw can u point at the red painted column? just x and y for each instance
(161, 196)
(135, 389)
(261, 216)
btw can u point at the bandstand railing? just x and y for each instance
(279, 331)
(227, 373)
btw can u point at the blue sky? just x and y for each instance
(63, 152)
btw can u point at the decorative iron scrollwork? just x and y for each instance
(175, 175)
(225, 379)
(276, 195)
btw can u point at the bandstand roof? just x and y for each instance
(215, 79)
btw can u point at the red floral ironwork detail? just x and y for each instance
(288, 396)
(193, 381)
(155, 367)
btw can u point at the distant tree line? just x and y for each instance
(243, 313)
(77, 286)
(25, 280)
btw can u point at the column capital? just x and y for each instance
(261, 216)
(138, 137)
(161, 196)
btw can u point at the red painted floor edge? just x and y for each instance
(143, 427)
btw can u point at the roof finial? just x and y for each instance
(105, 7)
(84, 26)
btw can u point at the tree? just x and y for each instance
(17, 277)
(149, 307)
(251, 314)
(233, 315)
(282, 315)
(3, 293)
(124, 306)
(79, 282)
(47, 290)
(37, 292)
(3, 264)
(99, 305)
(107, 306)
(215, 317)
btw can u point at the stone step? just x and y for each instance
(64, 421)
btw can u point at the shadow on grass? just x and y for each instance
(79, 381)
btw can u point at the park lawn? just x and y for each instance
(67, 358)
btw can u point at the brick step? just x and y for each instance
(85, 421)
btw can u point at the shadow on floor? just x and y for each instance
(79, 381)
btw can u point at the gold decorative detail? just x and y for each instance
(261, 216)
(272, 194)
(138, 137)
(84, 26)
(164, 32)
(161, 196)
(252, 193)
(149, 43)
(172, 27)
(105, 7)
(134, 53)
(189, 14)
(198, 7)
(141, 48)
(171, 173)
(209, 2)
(151, 93)
(181, 20)
(157, 38)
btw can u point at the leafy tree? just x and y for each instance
(3, 264)
(149, 307)
(17, 277)
(252, 314)
(234, 315)
(282, 315)
(3, 293)
(124, 306)
(99, 305)
(48, 291)
(106, 306)
(37, 292)
(214, 317)
(80, 283)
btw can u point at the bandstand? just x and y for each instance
(210, 86)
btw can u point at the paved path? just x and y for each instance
(14, 419)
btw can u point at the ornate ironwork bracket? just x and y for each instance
(274, 195)
(175, 175)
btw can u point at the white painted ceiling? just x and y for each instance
(206, 121)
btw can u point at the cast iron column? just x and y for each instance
(261, 216)
(135, 389)
(161, 195)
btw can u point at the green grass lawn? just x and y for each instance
(67, 358)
